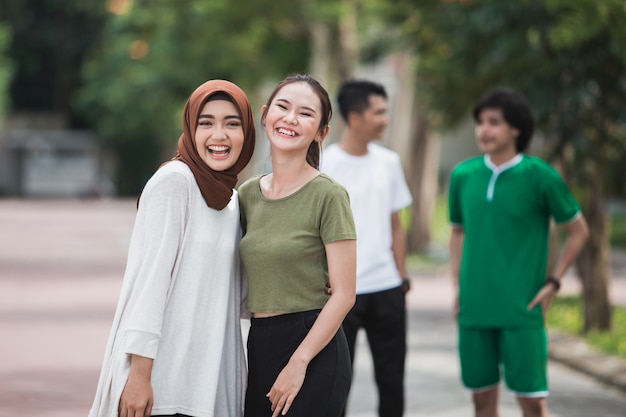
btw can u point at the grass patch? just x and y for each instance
(436, 259)
(425, 263)
(440, 228)
(566, 314)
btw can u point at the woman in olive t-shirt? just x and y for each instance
(298, 237)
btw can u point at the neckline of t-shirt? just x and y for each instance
(274, 200)
(498, 169)
(352, 157)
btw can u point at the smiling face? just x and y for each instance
(219, 135)
(292, 119)
(494, 135)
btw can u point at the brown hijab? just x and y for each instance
(216, 186)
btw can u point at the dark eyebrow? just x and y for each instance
(304, 107)
(210, 116)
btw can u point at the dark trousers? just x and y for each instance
(383, 317)
(171, 415)
(271, 342)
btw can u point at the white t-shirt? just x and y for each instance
(180, 303)
(377, 188)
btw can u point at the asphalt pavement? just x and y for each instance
(61, 266)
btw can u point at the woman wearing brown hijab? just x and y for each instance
(176, 346)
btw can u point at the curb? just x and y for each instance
(574, 352)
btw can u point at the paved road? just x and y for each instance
(433, 387)
(61, 265)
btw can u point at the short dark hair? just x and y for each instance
(354, 96)
(516, 112)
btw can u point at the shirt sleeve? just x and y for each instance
(155, 243)
(336, 221)
(559, 201)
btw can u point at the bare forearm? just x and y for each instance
(399, 254)
(341, 258)
(577, 235)
(399, 245)
(140, 367)
(325, 327)
(342, 278)
(137, 396)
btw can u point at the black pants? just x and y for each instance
(171, 415)
(271, 342)
(383, 317)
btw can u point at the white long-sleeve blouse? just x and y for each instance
(180, 303)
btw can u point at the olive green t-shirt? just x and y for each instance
(282, 247)
(505, 213)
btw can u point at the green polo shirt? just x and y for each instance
(282, 247)
(505, 213)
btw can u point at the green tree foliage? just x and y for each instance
(144, 58)
(47, 45)
(5, 71)
(152, 55)
(567, 58)
(592, 34)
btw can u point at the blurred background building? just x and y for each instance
(40, 158)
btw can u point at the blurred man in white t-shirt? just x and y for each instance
(374, 178)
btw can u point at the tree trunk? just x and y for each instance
(423, 180)
(348, 40)
(319, 35)
(320, 52)
(593, 261)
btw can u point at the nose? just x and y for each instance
(290, 117)
(481, 131)
(219, 132)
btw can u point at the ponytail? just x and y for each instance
(313, 154)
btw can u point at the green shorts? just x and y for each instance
(521, 353)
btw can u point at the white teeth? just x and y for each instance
(216, 148)
(286, 132)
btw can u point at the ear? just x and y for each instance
(322, 135)
(515, 133)
(352, 118)
(263, 108)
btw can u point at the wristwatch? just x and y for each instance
(554, 281)
(406, 284)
